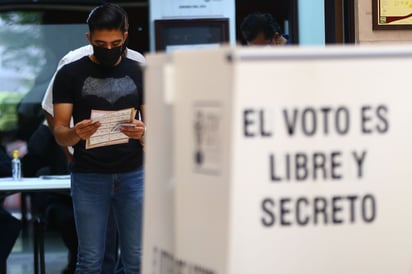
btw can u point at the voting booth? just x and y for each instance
(292, 160)
(158, 226)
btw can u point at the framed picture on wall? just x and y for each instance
(190, 33)
(391, 14)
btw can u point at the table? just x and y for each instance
(9, 186)
(52, 182)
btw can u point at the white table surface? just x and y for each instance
(40, 183)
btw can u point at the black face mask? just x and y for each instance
(107, 57)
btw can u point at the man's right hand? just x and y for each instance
(86, 128)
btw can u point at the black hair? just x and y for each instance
(107, 16)
(256, 23)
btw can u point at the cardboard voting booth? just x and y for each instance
(158, 226)
(293, 160)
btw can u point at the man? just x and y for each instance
(108, 176)
(261, 29)
(47, 105)
(74, 55)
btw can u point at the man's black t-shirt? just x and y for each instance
(88, 86)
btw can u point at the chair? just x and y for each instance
(38, 245)
(51, 211)
(10, 228)
(38, 209)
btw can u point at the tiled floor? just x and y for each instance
(21, 260)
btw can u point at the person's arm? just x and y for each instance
(64, 134)
(50, 122)
(136, 132)
(49, 119)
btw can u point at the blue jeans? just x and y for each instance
(93, 195)
(109, 261)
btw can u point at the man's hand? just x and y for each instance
(86, 128)
(134, 132)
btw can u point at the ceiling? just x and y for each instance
(32, 4)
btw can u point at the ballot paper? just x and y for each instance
(110, 123)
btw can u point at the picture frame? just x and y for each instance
(391, 15)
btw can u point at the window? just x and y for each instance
(33, 38)
(29, 53)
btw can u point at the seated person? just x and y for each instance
(10, 227)
(45, 157)
(261, 29)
